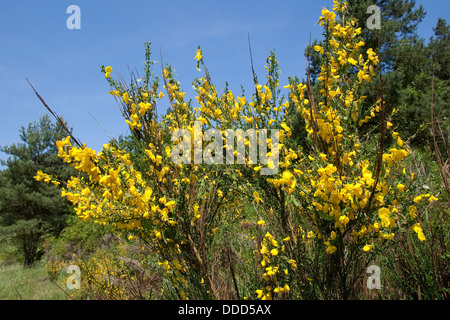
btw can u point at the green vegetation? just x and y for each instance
(363, 180)
(31, 211)
(32, 283)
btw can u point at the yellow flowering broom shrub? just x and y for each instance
(317, 222)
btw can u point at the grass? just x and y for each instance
(17, 283)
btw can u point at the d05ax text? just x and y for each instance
(245, 309)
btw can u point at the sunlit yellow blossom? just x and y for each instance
(418, 229)
(264, 250)
(331, 249)
(319, 49)
(256, 197)
(108, 71)
(198, 55)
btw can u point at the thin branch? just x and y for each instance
(436, 147)
(60, 121)
(17, 291)
(167, 89)
(312, 104)
(103, 129)
(63, 290)
(255, 78)
(233, 274)
(381, 140)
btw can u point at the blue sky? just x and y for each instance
(63, 65)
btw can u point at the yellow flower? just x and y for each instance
(333, 235)
(264, 250)
(412, 211)
(367, 247)
(353, 61)
(108, 71)
(331, 249)
(274, 252)
(64, 142)
(163, 200)
(198, 55)
(261, 223)
(384, 215)
(293, 264)
(282, 289)
(418, 229)
(319, 49)
(168, 151)
(344, 219)
(259, 293)
(217, 112)
(400, 187)
(421, 236)
(256, 197)
(186, 180)
(43, 176)
(170, 205)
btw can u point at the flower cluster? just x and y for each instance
(344, 196)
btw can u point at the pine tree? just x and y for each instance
(406, 66)
(31, 210)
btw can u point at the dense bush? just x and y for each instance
(309, 229)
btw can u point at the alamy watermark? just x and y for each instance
(74, 281)
(374, 21)
(256, 139)
(374, 279)
(74, 20)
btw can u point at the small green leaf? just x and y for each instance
(147, 226)
(294, 201)
(325, 216)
